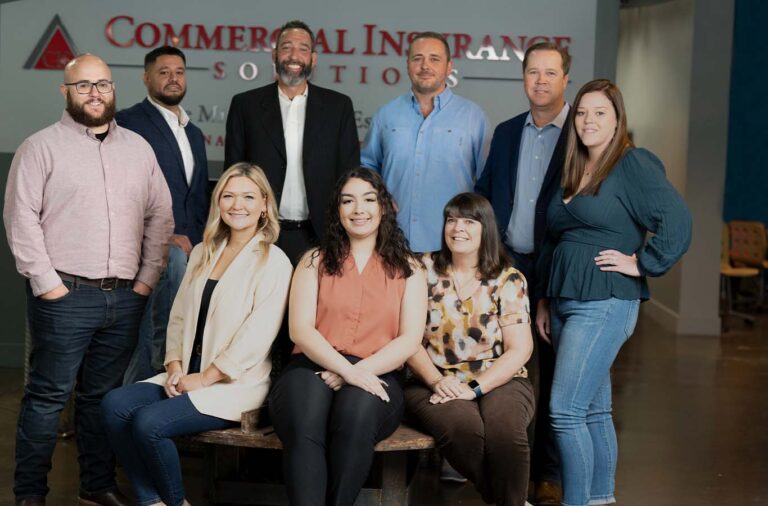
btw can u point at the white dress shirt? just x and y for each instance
(177, 125)
(293, 203)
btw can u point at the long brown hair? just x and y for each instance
(577, 154)
(492, 258)
(391, 244)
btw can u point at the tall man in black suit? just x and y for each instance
(180, 150)
(521, 176)
(303, 136)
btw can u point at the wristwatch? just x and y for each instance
(475, 386)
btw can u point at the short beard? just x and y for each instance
(169, 100)
(287, 78)
(79, 115)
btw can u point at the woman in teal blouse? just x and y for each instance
(592, 271)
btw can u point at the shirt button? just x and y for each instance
(531, 201)
(536, 157)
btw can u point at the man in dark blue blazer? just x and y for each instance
(521, 176)
(180, 150)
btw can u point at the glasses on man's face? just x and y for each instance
(85, 87)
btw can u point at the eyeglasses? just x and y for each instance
(85, 87)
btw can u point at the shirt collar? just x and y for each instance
(182, 119)
(282, 94)
(67, 120)
(558, 121)
(439, 101)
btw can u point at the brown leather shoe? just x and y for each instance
(111, 498)
(30, 502)
(548, 493)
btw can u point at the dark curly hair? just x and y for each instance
(492, 257)
(391, 244)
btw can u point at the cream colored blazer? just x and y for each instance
(244, 316)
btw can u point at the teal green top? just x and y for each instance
(634, 199)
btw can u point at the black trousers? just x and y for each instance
(545, 459)
(328, 437)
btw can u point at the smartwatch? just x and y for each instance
(475, 386)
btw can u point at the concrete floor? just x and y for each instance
(691, 415)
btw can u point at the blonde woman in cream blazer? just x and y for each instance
(224, 319)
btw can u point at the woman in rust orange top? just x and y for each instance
(356, 314)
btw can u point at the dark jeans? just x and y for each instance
(328, 437)
(82, 342)
(545, 458)
(140, 421)
(149, 356)
(485, 440)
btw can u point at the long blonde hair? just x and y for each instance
(216, 231)
(577, 154)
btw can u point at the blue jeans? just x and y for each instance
(150, 353)
(587, 336)
(140, 421)
(82, 342)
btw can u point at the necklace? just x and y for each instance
(461, 287)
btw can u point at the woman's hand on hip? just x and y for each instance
(610, 260)
(359, 377)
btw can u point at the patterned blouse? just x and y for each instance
(463, 337)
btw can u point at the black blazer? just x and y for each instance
(499, 178)
(330, 144)
(190, 201)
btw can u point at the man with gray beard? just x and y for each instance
(303, 136)
(87, 213)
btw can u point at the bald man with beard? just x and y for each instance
(87, 213)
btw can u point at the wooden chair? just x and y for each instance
(748, 248)
(727, 273)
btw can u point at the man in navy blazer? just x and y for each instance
(303, 136)
(180, 150)
(521, 176)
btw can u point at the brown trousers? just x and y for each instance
(485, 440)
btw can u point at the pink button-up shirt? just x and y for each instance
(89, 208)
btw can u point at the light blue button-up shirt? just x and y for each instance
(426, 161)
(536, 148)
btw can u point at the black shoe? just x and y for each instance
(111, 498)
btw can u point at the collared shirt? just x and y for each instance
(426, 161)
(293, 203)
(536, 148)
(178, 124)
(84, 207)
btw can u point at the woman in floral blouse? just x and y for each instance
(474, 396)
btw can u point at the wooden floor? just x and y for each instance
(691, 414)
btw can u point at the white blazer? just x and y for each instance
(244, 316)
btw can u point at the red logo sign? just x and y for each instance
(54, 49)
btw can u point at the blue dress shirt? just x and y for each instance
(426, 161)
(536, 148)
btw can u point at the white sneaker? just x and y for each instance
(449, 474)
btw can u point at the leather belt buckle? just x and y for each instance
(108, 284)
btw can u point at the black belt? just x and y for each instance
(295, 224)
(105, 284)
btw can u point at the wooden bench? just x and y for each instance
(390, 474)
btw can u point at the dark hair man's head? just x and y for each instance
(165, 75)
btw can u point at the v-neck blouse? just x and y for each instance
(359, 312)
